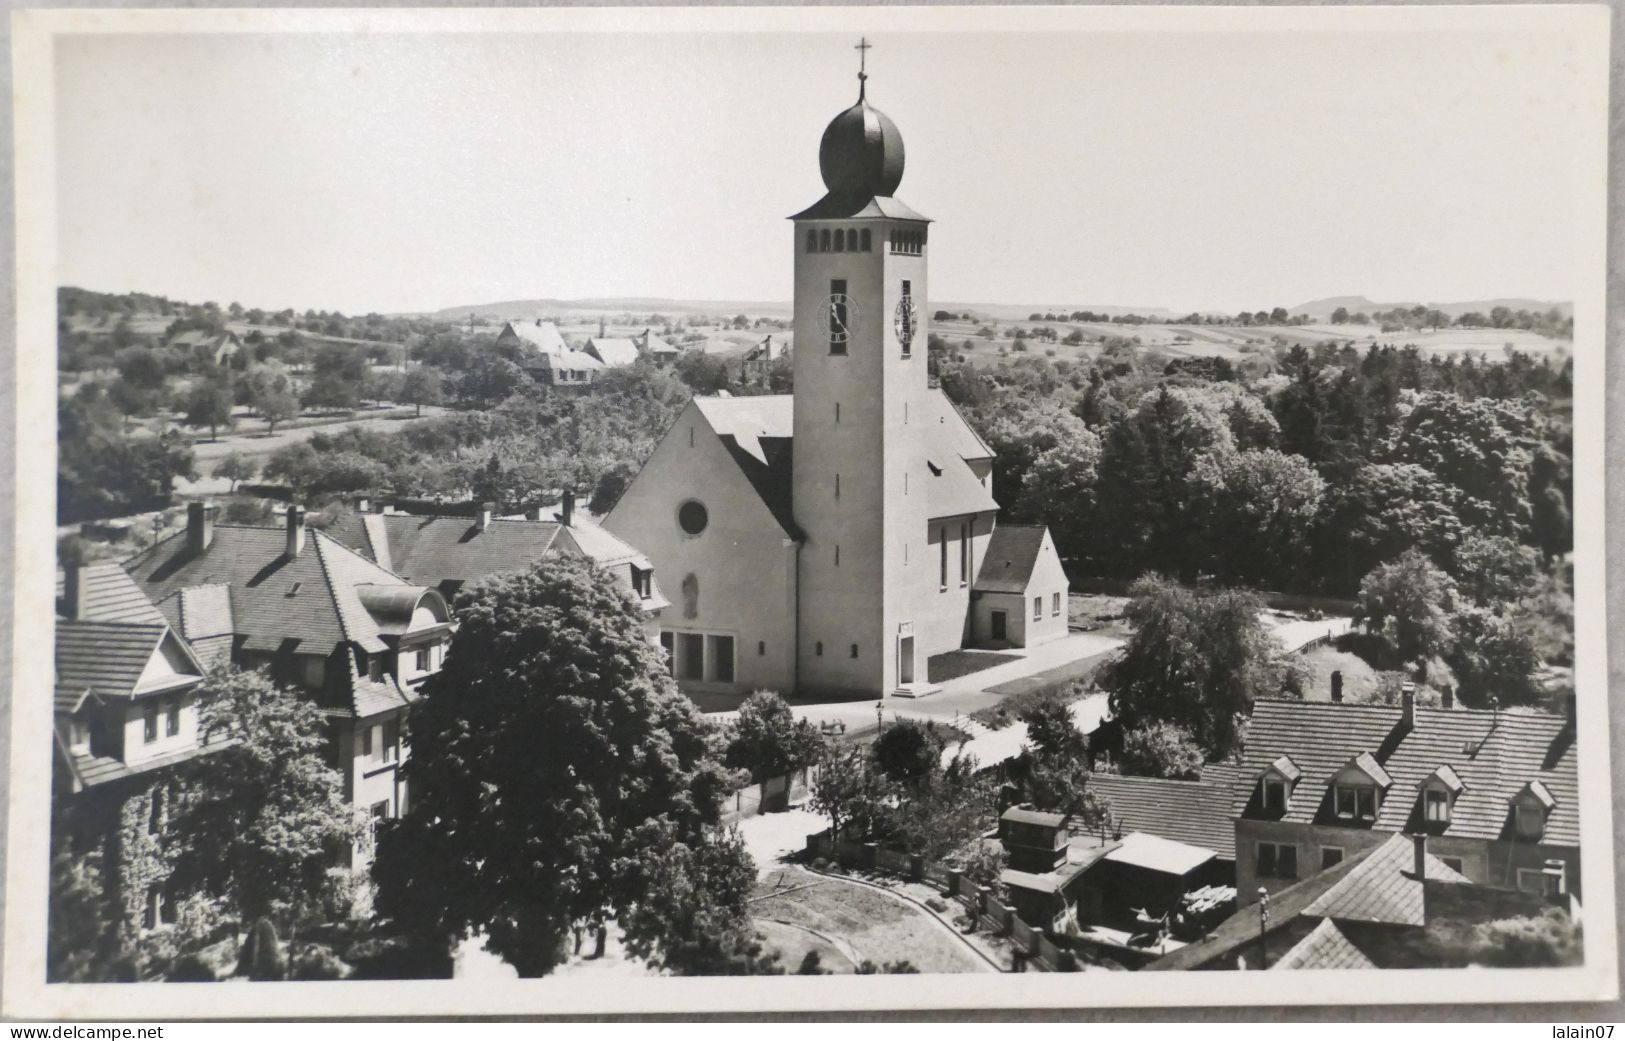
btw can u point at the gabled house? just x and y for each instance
(451, 553)
(217, 347)
(532, 337)
(656, 348)
(1020, 595)
(1496, 792)
(126, 717)
(353, 636)
(569, 369)
(754, 366)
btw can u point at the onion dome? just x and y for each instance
(861, 154)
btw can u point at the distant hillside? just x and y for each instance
(640, 304)
(1322, 309)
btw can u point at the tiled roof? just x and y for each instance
(99, 769)
(432, 550)
(202, 611)
(1493, 754)
(544, 336)
(1008, 561)
(951, 488)
(309, 599)
(655, 344)
(1384, 888)
(1042, 818)
(104, 658)
(1144, 850)
(107, 594)
(1324, 948)
(1193, 812)
(1241, 929)
(614, 353)
(954, 431)
(567, 360)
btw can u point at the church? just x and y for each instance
(829, 542)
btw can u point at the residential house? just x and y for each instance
(613, 353)
(126, 717)
(656, 348)
(1497, 793)
(758, 360)
(353, 636)
(532, 337)
(217, 347)
(449, 553)
(567, 370)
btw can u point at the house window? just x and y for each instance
(366, 742)
(375, 817)
(1330, 856)
(693, 657)
(942, 570)
(155, 811)
(863, 239)
(854, 650)
(823, 241)
(818, 648)
(1530, 819)
(1453, 863)
(964, 556)
(1277, 860)
(1274, 791)
(668, 649)
(1356, 802)
(392, 740)
(1540, 882)
(1038, 608)
(1436, 806)
(375, 668)
(151, 907)
(812, 241)
(172, 718)
(761, 648)
(421, 660)
(642, 582)
(1055, 605)
(149, 724)
(722, 654)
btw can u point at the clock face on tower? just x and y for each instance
(839, 315)
(906, 322)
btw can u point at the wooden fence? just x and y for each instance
(978, 901)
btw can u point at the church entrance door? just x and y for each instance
(998, 634)
(905, 660)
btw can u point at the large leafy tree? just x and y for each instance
(767, 740)
(1471, 446)
(553, 760)
(1260, 507)
(1059, 491)
(264, 813)
(208, 404)
(1196, 660)
(1409, 605)
(1386, 509)
(1161, 750)
(102, 472)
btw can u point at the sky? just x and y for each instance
(1188, 170)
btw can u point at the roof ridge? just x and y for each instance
(327, 580)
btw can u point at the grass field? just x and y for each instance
(861, 921)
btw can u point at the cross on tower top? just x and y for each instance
(863, 55)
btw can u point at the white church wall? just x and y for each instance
(736, 578)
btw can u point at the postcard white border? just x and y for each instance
(24, 994)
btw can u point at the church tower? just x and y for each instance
(859, 409)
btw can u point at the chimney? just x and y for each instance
(199, 526)
(567, 507)
(600, 328)
(1407, 706)
(296, 530)
(1447, 697)
(486, 509)
(533, 513)
(73, 589)
(1569, 709)
(1419, 864)
(363, 505)
(1337, 686)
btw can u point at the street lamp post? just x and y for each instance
(1263, 926)
(157, 526)
(880, 718)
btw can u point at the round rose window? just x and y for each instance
(692, 517)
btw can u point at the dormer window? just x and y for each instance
(1274, 795)
(1357, 789)
(1275, 785)
(641, 582)
(1530, 808)
(1357, 802)
(1439, 793)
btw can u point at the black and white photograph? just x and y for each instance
(677, 509)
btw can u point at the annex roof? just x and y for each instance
(102, 658)
(954, 431)
(1027, 815)
(1008, 561)
(1383, 887)
(1144, 850)
(1193, 812)
(1493, 754)
(1324, 948)
(951, 488)
(566, 361)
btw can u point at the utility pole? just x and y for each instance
(1263, 926)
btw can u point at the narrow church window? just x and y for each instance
(837, 555)
(823, 241)
(837, 486)
(851, 240)
(905, 482)
(812, 241)
(905, 413)
(864, 238)
(942, 571)
(1038, 608)
(964, 556)
(837, 412)
(761, 648)
(818, 648)
(854, 650)
(691, 437)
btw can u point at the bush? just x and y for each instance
(261, 957)
(1161, 750)
(317, 963)
(811, 965)
(190, 968)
